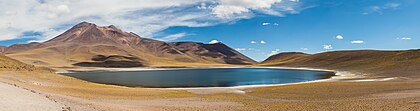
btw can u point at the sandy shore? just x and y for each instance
(339, 76)
(13, 98)
(89, 69)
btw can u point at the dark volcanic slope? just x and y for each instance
(222, 52)
(86, 40)
(376, 63)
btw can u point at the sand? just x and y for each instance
(13, 98)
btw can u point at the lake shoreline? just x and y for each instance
(338, 76)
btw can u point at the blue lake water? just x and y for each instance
(210, 77)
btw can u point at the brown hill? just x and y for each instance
(84, 41)
(9, 64)
(22, 47)
(284, 57)
(376, 63)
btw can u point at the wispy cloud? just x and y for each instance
(274, 52)
(240, 49)
(233, 9)
(268, 23)
(357, 42)
(261, 42)
(144, 17)
(405, 38)
(380, 8)
(392, 5)
(265, 24)
(173, 36)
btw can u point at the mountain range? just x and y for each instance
(87, 44)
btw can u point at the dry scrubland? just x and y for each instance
(372, 63)
(398, 94)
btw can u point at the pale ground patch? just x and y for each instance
(18, 99)
(379, 79)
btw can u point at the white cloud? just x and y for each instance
(253, 42)
(229, 9)
(274, 52)
(262, 42)
(173, 36)
(305, 49)
(240, 49)
(339, 37)
(214, 42)
(327, 47)
(357, 42)
(144, 17)
(405, 38)
(265, 23)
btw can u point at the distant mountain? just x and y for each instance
(284, 57)
(220, 51)
(85, 41)
(377, 63)
(21, 47)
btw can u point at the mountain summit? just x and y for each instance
(88, 33)
(87, 44)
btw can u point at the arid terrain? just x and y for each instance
(402, 93)
(373, 63)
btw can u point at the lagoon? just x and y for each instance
(202, 77)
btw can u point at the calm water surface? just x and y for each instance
(212, 77)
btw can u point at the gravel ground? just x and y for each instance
(13, 98)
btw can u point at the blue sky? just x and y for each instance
(261, 29)
(312, 28)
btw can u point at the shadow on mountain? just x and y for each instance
(113, 61)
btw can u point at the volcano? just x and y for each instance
(89, 45)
